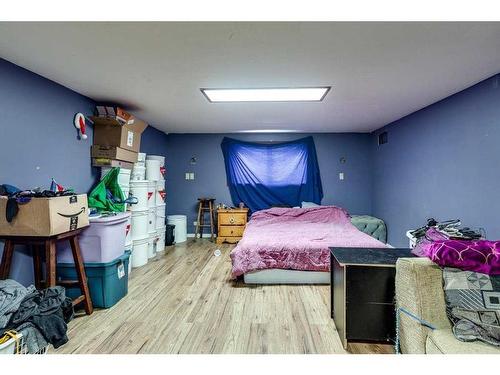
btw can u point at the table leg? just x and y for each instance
(50, 263)
(37, 265)
(80, 271)
(8, 251)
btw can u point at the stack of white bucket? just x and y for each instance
(147, 230)
(155, 171)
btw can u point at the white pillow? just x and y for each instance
(309, 204)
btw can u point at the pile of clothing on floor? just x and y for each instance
(471, 277)
(41, 316)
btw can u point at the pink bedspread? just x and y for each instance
(296, 238)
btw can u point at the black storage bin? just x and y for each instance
(169, 235)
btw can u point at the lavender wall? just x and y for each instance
(354, 193)
(38, 140)
(442, 162)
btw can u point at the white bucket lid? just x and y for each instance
(140, 213)
(155, 157)
(139, 183)
(141, 241)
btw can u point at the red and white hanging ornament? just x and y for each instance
(79, 123)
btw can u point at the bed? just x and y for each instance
(291, 245)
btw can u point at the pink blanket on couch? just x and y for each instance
(296, 238)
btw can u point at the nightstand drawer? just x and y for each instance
(231, 231)
(232, 218)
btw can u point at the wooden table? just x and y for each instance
(48, 244)
(362, 292)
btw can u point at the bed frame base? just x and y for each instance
(280, 276)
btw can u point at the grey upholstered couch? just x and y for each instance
(419, 290)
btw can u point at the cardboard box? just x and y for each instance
(121, 130)
(112, 152)
(106, 162)
(46, 216)
(119, 113)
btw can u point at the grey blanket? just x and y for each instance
(11, 295)
(473, 305)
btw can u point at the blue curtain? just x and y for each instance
(262, 175)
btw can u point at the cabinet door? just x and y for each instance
(370, 284)
(371, 322)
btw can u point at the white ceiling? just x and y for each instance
(379, 72)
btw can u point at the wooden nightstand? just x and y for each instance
(231, 224)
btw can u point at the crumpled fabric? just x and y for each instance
(11, 295)
(43, 314)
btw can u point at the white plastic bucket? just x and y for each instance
(160, 184)
(123, 176)
(160, 245)
(152, 220)
(180, 222)
(153, 170)
(140, 252)
(138, 173)
(139, 189)
(128, 232)
(161, 159)
(160, 216)
(160, 192)
(153, 238)
(126, 191)
(131, 249)
(141, 158)
(139, 228)
(151, 194)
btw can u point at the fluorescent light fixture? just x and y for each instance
(285, 94)
(268, 131)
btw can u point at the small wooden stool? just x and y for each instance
(205, 205)
(48, 244)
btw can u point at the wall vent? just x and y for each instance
(382, 138)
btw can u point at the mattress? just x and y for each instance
(280, 276)
(296, 239)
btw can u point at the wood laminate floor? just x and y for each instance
(183, 301)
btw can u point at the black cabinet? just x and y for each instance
(362, 293)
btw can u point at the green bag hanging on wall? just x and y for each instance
(98, 197)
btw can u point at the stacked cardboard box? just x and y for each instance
(117, 138)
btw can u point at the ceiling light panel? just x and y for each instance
(299, 94)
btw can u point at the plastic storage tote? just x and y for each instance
(108, 282)
(103, 241)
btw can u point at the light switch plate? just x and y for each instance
(191, 176)
(341, 176)
(187, 176)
